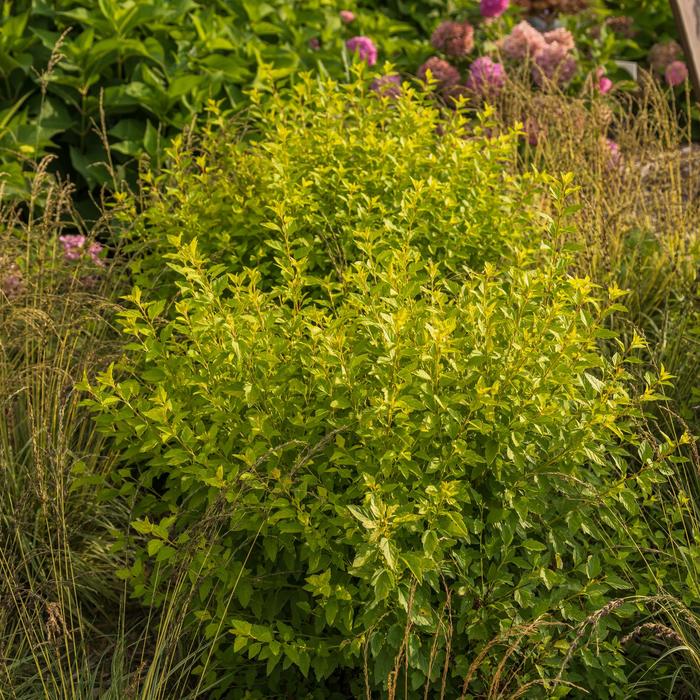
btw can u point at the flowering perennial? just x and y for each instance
(486, 77)
(454, 39)
(364, 47)
(676, 73)
(493, 8)
(74, 247)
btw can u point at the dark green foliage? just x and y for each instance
(405, 452)
(143, 70)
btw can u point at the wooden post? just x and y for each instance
(687, 14)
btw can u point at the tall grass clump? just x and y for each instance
(68, 628)
(370, 364)
(638, 201)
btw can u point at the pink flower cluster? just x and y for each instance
(676, 73)
(554, 63)
(493, 8)
(550, 52)
(364, 47)
(524, 41)
(347, 16)
(454, 39)
(486, 77)
(603, 83)
(74, 248)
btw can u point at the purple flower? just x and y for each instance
(314, 43)
(486, 77)
(493, 8)
(347, 16)
(364, 47)
(553, 63)
(94, 251)
(676, 73)
(74, 248)
(387, 85)
(444, 73)
(455, 39)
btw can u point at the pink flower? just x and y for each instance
(486, 76)
(443, 73)
(523, 41)
(561, 36)
(74, 248)
(455, 39)
(676, 73)
(603, 84)
(553, 63)
(314, 43)
(94, 251)
(347, 16)
(493, 8)
(387, 85)
(614, 150)
(364, 47)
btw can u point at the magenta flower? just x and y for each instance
(347, 16)
(364, 47)
(676, 73)
(493, 8)
(523, 41)
(387, 85)
(553, 63)
(486, 77)
(455, 39)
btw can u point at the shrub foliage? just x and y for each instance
(412, 458)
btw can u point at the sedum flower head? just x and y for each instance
(553, 63)
(486, 77)
(663, 55)
(523, 41)
(454, 39)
